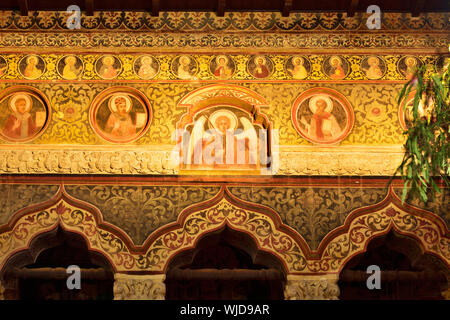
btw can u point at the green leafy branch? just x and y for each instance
(427, 145)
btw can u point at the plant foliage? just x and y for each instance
(427, 137)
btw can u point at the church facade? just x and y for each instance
(190, 155)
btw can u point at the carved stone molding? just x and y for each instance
(322, 287)
(139, 287)
(356, 161)
(87, 162)
(339, 163)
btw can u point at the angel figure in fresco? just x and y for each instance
(337, 72)
(244, 148)
(222, 70)
(146, 70)
(374, 70)
(70, 70)
(260, 70)
(107, 70)
(31, 70)
(411, 64)
(298, 71)
(20, 123)
(323, 126)
(120, 123)
(185, 71)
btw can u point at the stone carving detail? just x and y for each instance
(162, 162)
(86, 162)
(142, 287)
(323, 287)
(339, 163)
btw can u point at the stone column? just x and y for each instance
(322, 287)
(139, 287)
(9, 290)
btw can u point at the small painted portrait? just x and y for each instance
(146, 67)
(442, 63)
(185, 67)
(322, 116)
(298, 67)
(408, 65)
(31, 67)
(108, 67)
(3, 66)
(23, 116)
(260, 67)
(373, 67)
(120, 117)
(70, 67)
(222, 67)
(336, 67)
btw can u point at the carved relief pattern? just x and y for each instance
(311, 288)
(312, 212)
(148, 287)
(17, 196)
(87, 162)
(130, 208)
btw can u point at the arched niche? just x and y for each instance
(224, 131)
(405, 270)
(225, 264)
(40, 271)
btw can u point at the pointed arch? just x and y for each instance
(365, 224)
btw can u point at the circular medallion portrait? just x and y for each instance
(146, 67)
(408, 65)
(3, 66)
(441, 63)
(298, 67)
(108, 67)
(120, 115)
(222, 67)
(70, 67)
(185, 67)
(405, 111)
(373, 67)
(31, 67)
(24, 114)
(260, 67)
(336, 67)
(322, 116)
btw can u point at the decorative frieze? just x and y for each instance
(139, 287)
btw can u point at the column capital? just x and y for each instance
(139, 287)
(317, 287)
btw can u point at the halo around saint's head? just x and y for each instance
(112, 102)
(12, 102)
(335, 58)
(313, 100)
(223, 113)
(222, 57)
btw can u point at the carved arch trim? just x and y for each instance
(223, 94)
(365, 224)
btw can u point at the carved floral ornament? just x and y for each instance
(194, 222)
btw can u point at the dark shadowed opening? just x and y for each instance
(225, 265)
(405, 272)
(40, 272)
